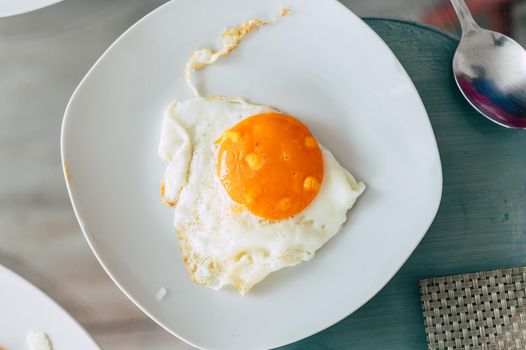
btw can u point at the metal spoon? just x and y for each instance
(490, 70)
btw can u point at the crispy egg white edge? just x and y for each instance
(338, 190)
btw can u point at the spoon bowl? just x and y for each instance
(490, 70)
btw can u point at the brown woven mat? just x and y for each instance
(476, 311)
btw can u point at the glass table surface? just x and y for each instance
(43, 56)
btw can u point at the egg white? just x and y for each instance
(222, 243)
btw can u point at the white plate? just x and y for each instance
(16, 7)
(25, 309)
(322, 64)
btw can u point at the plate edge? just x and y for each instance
(91, 244)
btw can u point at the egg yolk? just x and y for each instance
(271, 164)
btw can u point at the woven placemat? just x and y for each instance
(476, 311)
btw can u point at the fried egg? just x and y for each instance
(252, 189)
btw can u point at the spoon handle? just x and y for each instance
(466, 20)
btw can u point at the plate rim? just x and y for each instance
(28, 9)
(12, 275)
(372, 292)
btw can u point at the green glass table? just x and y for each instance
(43, 55)
(481, 223)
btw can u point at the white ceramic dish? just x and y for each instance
(25, 309)
(321, 64)
(16, 7)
